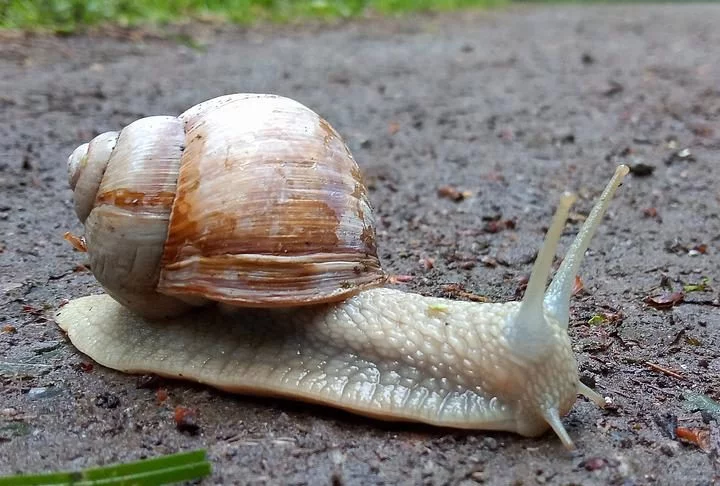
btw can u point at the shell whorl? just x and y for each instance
(77, 159)
(126, 229)
(86, 167)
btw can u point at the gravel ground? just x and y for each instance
(514, 106)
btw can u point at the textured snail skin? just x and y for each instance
(383, 353)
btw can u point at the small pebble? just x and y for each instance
(670, 448)
(186, 420)
(490, 443)
(8, 412)
(587, 379)
(478, 476)
(593, 463)
(43, 392)
(107, 400)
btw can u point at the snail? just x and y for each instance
(236, 244)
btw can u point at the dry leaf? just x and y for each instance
(665, 301)
(695, 435)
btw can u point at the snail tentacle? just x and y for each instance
(557, 297)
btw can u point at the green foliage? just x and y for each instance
(68, 15)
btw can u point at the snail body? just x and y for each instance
(341, 338)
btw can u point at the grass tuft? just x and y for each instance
(70, 15)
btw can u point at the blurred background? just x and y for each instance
(71, 15)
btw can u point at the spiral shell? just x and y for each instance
(251, 200)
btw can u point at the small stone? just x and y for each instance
(8, 412)
(587, 379)
(43, 392)
(45, 346)
(490, 443)
(593, 463)
(670, 448)
(186, 420)
(148, 381)
(587, 59)
(428, 469)
(107, 400)
(478, 476)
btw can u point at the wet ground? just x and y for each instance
(513, 106)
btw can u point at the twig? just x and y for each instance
(618, 392)
(668, 372)
(650, 385)
(713, 303)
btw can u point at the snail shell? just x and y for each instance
(246, 199)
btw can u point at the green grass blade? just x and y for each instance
(183, 466)
(151, 478)
(136, 467)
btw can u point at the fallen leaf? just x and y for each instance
(650, 212)
(427, 263)
(453, 193)
(702, 129)
(396, 279)
(578, 285)
(695, 435)
(161, 395)
(77, 242)
(665, 301)
(594, 463)
(703, 286)
(693, 341)
(457, 290)
(186, 420)
(85, 366)
(701, 248)
(436, 310)
(495, 226)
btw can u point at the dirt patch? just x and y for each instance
(512, 106)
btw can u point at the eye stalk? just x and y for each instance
(557, 297)
(529, 332)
